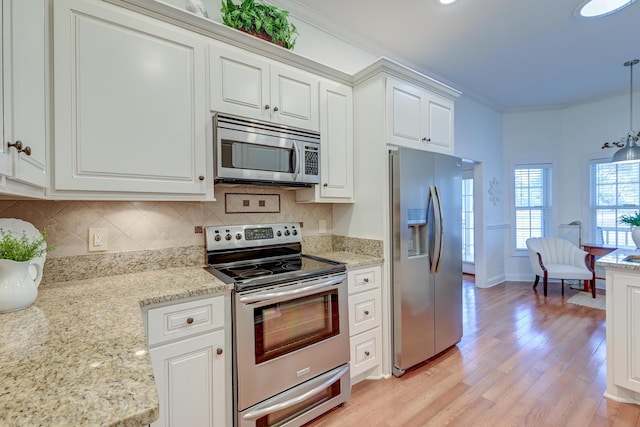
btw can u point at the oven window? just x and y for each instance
(283, 416)
(287, 326)
(244, 155)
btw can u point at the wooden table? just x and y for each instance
(595, 250)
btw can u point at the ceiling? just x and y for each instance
(508, 54)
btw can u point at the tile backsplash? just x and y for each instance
(144, 225)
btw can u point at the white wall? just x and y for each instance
(568, 138)
(478, 137)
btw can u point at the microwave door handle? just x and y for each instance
(259, 412)
(296, 161)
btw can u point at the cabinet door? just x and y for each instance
(239, 83)
(626, 321)
(190, 377)
(24, 102)
(336, 131)
(439, 124)
(294, 97)
(130, 102)
(336, 147)
(405, 114)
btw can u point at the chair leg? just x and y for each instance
(562, 281)
(535, 284)
(593, 288)
(544, 283)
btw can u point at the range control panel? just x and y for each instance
(222, 237)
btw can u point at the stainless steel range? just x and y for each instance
(290, 324)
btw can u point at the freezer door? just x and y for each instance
(413, 291)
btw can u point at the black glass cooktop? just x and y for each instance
(250, 274)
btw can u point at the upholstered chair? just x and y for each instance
(555, 258)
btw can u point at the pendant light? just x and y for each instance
(630, 150)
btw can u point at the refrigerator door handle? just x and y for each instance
(435, 209)
(440, 230)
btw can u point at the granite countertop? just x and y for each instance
(621, 258)
(78, 355)
(352, 260)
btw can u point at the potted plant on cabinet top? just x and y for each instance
(261, 20)
(18, 254)
(634, 221)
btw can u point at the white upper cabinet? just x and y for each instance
(418, 118)
(131, 109)
(253, 86)
(24, 107)
(336, 146)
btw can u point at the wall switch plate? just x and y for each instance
(98, 239)
(322, 226)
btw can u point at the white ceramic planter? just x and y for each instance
(18, 288)
(635, 235)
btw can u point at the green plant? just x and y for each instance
(631, 219)
(262, 19)
(21, 248)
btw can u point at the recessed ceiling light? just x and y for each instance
(450, 1)
(598, 8)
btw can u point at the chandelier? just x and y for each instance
(629, 148)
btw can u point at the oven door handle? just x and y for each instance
(262, 411)
(266, 296)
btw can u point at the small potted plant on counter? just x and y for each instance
(261, 20)
(633, 220)
(20, 269)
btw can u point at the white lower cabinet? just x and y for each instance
(365, 330)
(190, 354)
(623, 335)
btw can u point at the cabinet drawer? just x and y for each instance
(366, 351)
(363, 279)
(364, 311)
(184, 319)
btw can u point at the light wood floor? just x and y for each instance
(523, 361)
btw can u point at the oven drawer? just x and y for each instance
(185, 319)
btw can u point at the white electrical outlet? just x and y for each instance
(98, 239)
(322, 226)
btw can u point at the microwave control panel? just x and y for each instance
(311, 160)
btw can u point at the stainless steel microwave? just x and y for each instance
(248, 151)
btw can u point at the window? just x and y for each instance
(532, 185)
(467, 219)
(615, 191)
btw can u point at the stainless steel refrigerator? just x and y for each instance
(426, 218)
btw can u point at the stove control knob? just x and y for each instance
(295, 232)
(279, 233)
(287, 232)
(238, 236)
(217, 238)
(227, 237)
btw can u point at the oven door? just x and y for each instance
(285, 335)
